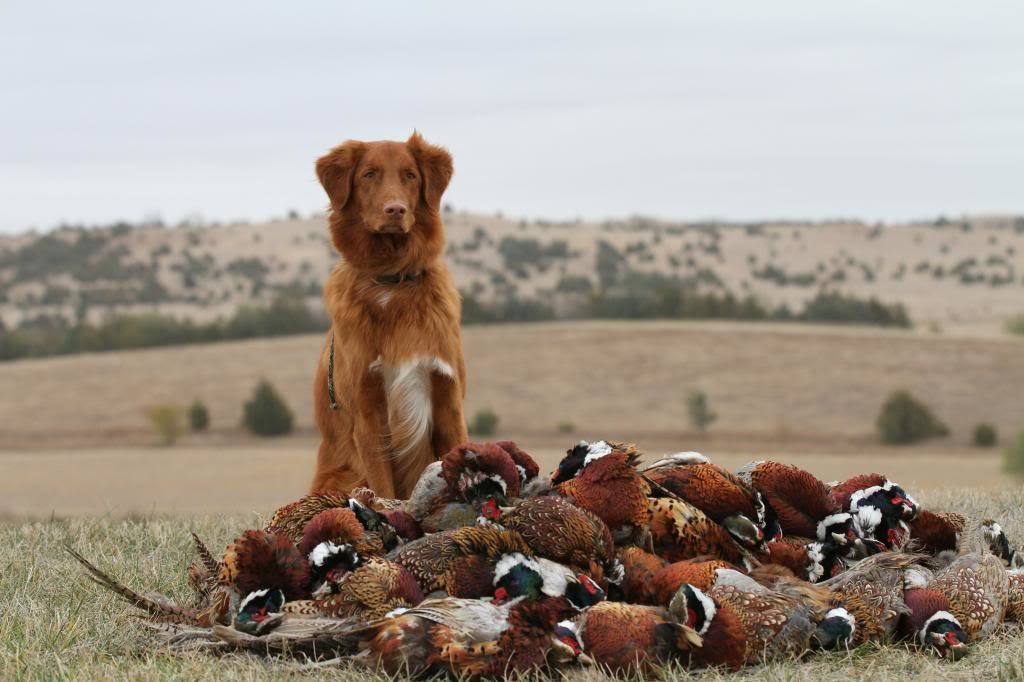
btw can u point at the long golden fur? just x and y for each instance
(394, 313)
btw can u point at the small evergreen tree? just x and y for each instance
(905, 419)
(701, 416)
(266, 413)
(985, 435)
(485, 423)
(198, 416)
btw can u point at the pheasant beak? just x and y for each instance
(840, 539)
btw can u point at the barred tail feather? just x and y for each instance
(158, 609)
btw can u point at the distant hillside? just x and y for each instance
(964, 275)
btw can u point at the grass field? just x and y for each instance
(770, 384)
(54, 624)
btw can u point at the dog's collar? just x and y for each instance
(398, 277)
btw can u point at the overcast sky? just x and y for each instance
(880, 110)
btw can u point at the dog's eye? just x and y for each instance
(370, 175)
(409, 175)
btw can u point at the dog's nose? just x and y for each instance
(394, 209)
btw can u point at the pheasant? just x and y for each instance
(724, 637)
(638, 570)
(369, 591)
(459, 562)
(977, 587)
(291, 519)
(632, 637)
(681, 531)
(929, 623)
(881, 508)
(523, 647)
(699, 573)
(432, 636)
(516, 575)
(777, 625)
(602, 478)
(259, 560)
(937, 532)
(808, 560)
(526, 465)
(556, 529)
(479, 479)
(725, 498)
(872, 590)
(800, 501)
(834, 625)
(1015, 596)
(999, 544)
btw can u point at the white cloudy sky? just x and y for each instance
(677, 109)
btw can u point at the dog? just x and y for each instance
(392, 377)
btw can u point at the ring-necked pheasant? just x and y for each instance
(724, 497)
(602, 478)
(461, 561)
(681, 531)
(516, 575)
(556, 529)
(801, 503)
(632, 637)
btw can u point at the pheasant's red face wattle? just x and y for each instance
(952, 639)
(691, 618)
(589, 584)
(490, 510)
(571, 643)
(500, 595)
(260, 615)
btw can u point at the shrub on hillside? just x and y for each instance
(905, 419)
(198, 416)
(1013, 456)
(1015, 325)
(698, 410)
(566, 426)
(266, 413)
(168, 421)
(985, 435)
(484, 423)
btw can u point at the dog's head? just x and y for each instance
(385, 201)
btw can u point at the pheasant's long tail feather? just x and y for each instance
(209, 561)
(158, 609)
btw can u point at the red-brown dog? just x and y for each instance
(396, 373)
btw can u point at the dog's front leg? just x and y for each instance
(449, 421)
(370, 431)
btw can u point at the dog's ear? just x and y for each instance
(335, 171)
(435, 166)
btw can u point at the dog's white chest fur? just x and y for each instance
(410, 407)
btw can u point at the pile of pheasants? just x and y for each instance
(492, 569)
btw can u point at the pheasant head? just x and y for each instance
(259, 560)
(943, 634)
(259, 611)
(693, 608)
(835, 630)
(516, 575)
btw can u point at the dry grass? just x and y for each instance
(54, 624)
(768, 383)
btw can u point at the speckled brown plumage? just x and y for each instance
(1015, 596)
(937, 532)
(696, 572)
(371, 591)
(611, 487)
(523, 460)
(797, 497)
(777, 626)
(872, 591)
(439, 561)
(681, 531)
(710, 488)
(466, 465)
(638, 569)
(291, 519)
(977, 586)
(631, 637)
(556, 529)
(260, 560)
